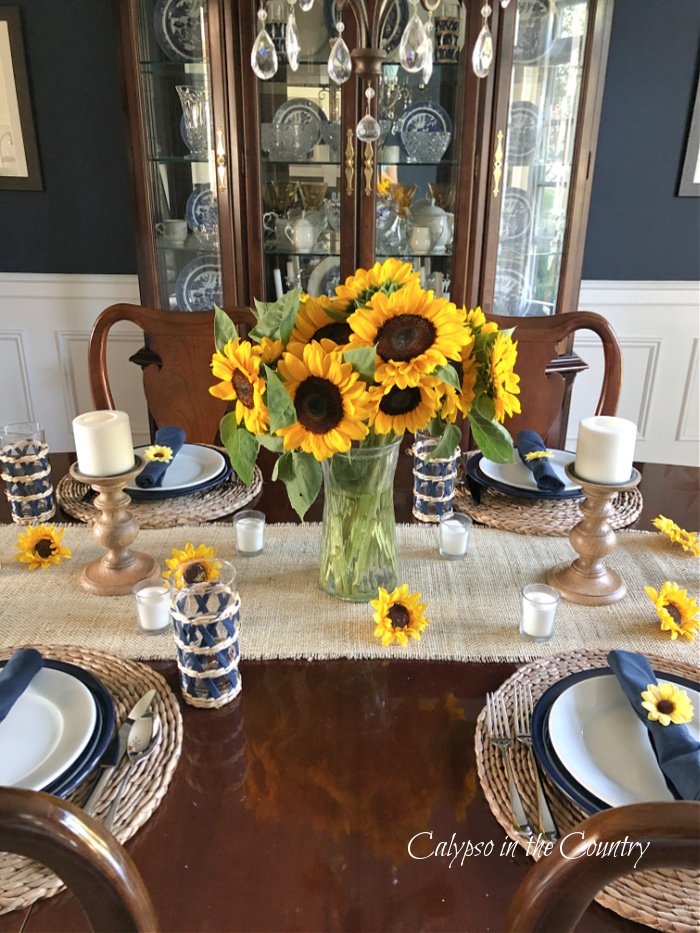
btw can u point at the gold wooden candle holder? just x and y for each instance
(116, 572)
(587, 580)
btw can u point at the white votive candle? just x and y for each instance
(152, 606)
(454, 536)
(103, 443)
(250, 532)
(605, 449)
(539, 610)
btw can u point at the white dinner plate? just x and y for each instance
(605, 746)
(516, 474)
(192, 465)
(46, 730)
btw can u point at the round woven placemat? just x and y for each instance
(198, 507)
(22, 881)
(540, 516)
(663, 898)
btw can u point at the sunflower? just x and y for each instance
(270, 350)
(676, 610)
(413, 332)
(667, 704)
(688, 540)
(313, 322)
(40, 546)
(476, 321)
(398, 615)
(399, 410)
(503, 381)
(204, 571)
(239, 368)
(538, 455)
(330, 399)
(453, 402)
(387, 277)
(158, 453)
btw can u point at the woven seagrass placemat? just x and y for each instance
(204, 506)
(541, 516)
(666, 898)
(22, 881)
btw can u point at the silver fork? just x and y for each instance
(498, 729)
(522, 718)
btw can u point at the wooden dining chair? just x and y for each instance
(176, 365)
(558, 888)
(546, 373)
(88, 859)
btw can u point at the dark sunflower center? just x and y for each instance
(675, 613)
(338, 332)
(244, 390)
(399, 616)
(400, 401)
(44, 548)
(159, 455)
(404, 337)
(666, 706)
(196, 573)
(319, 405)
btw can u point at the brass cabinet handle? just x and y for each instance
(349, 162)
(368, 162)
(221, 163)
(498, 164)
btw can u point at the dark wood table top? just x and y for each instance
(293, 807)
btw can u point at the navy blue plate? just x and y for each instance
(474, 471)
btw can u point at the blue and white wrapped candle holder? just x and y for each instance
(433, 480)
(205, 611)
(26, 471)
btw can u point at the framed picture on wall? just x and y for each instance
(19, 156)
(690, 176)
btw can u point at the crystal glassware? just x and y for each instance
(195, 110)
(444, 195)
(279, 196)
(426, 147)
(403, 196)
(312, 194)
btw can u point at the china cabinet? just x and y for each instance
(246, 187)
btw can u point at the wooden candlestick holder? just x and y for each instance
(587, 580)
(116, 572)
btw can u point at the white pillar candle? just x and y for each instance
(103, 443)
(605, 449)
(152, 606)
(539, 610)
(454, 536)
(250, 532)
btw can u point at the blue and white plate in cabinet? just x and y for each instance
(178, 29)
(425, 116)
(522, 131)
(536, 30)
(302, 110)
(516, 217)
(198, 286)
(201, 209)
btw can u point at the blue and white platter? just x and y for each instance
(178, 28)
(302, 110)
(516, 216)
(536, 30)
(423, 116)
(522, 131)
(198, 286)
(201, 209)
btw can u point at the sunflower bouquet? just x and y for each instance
(333, 383)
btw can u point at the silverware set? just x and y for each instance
(498, 728)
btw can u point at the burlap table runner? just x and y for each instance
(473, 605)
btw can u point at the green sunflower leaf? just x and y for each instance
(486, 407)
(279, 403)
(448, 443)
(448, 374)
(271, 442)
(282, 467)
(302, 475)
(276, 318)
(242, 447)
(494, 441)
(224, 329)
(364, 361)
(434, 426)
(340, 316)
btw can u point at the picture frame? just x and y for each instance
(689, 186)
(19, 155)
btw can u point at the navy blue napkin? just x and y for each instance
(676, 750)
(16, 676)
(155, 471)
(545, 477)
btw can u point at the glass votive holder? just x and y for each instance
(25, 468)
(152, 606)
(539, 610)
(250, 532)
(454, 535)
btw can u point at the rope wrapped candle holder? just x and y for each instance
(205, 612)
(433, 480)
(26, 470)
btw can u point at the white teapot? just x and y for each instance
(427, 214)
(302, 233)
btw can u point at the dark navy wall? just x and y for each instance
(638, 228)
(82, 221)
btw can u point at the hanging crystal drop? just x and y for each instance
(504, 3)
(263, 57)
(339, 61)
(305, 5)
(368, 129)
(291, 42)
(482, 56)
(428, 50)
(413, 43)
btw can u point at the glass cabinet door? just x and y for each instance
(545, 86)
(176, 100)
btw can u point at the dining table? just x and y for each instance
(293, 807)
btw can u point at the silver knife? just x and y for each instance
(116, 750)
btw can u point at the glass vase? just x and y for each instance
(358, 538)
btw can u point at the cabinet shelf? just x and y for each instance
(179, 160)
